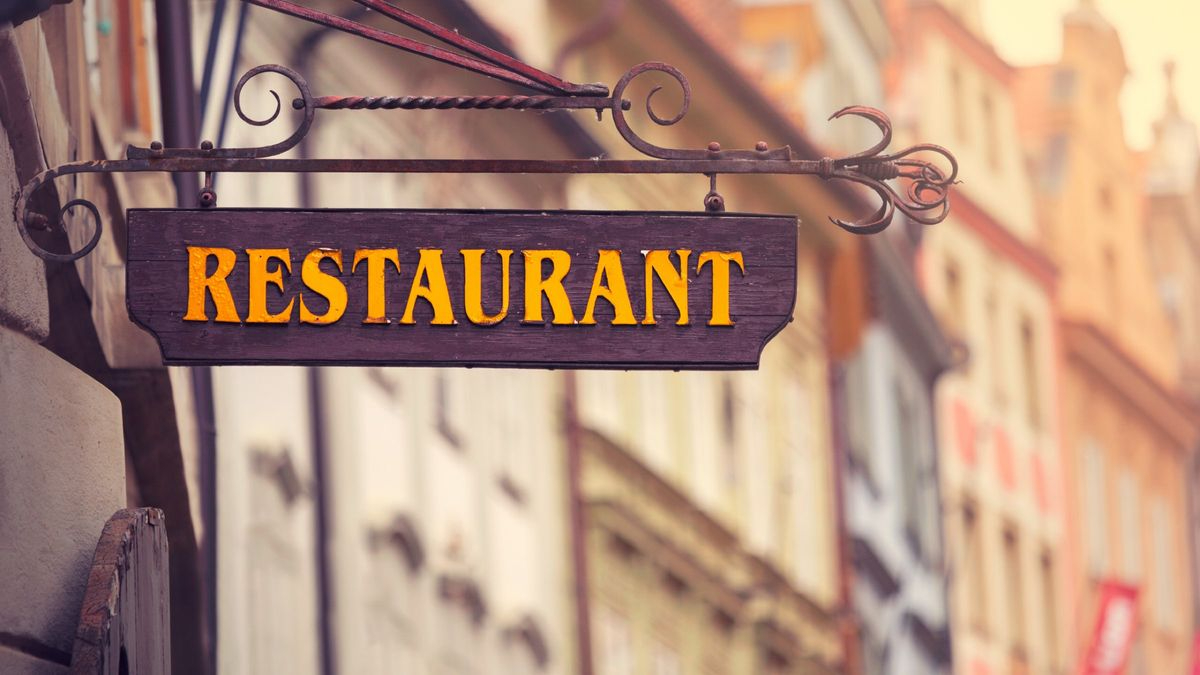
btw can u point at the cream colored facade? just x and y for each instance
(1128, 434)
(710, 499)
(445, 506)
(998, 425)
(446, 489)
(1172, 221)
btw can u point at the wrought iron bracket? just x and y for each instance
(925, 197)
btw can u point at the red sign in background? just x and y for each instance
(1116, 625)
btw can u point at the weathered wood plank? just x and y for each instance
(125, 620)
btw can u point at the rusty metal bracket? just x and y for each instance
(925, 199)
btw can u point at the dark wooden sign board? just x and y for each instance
(213, 287)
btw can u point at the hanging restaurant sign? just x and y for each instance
(504, 288)
(475, 288)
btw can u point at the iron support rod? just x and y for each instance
(407, 44)
(478, 50)
(464, 166)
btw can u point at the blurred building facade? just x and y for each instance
(867, 502)
(379, 521)
(1172, 221)
(887, 349)
(891, 352)
(709, 500)
(995, 291)
(1129, 435)
(709, 539)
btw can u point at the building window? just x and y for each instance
(1015, 590)
(779, 58)
(616, 644)
(874, 661)
(910, 458)
(1129, 503)
(458, 628)
(121, 52)
(702, 437)
(1094, 505)
(729, 419)
(991, 131)
(728, 411)
(1062, 87)
(443, 409)
(391, 635)
(1164, 577)
(1137, 655)
(601, 402)
(275, 558)
(763, 509)
(657, 422)
(665, 660)
(1112, 282)
(1049, 593)
(973, 570)
(524, 648)
(511, 397)
(995, 347)
(955, 307)
(1029, 371)
(858, 431)
(956, 96)
(803, 481)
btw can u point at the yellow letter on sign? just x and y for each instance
(260, 276)
(326, 285)
(551, 287)
(609, 283)
(720, 284)
(200, 285)
(429, 268)
(376, 257)
(658, 263)
(473, 286)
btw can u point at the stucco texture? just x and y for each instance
(62, 474)
(23, 303)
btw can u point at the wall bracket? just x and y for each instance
(925, 197)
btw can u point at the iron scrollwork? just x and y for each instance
(925, 198)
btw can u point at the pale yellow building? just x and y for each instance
(1128, 437)
(709, 498)
(1000, 465)
(389, 520)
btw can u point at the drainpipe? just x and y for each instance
(176, 88)
(206, 432)
(574, 437)
(210, 55)
(837, 416)
(302, 55)
(320, 456)
(179, 123)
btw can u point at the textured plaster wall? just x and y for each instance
(62, 465)
(23, 305)
(62, 474)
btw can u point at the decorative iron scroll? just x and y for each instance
(923, 199)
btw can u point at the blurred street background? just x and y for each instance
(973, 451)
